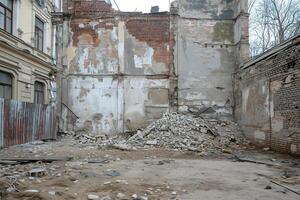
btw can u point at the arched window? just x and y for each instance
(39, 92)
(5, 85)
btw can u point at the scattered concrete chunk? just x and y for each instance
(31, 191)
(112, 173)
(37, 172)
(107, 197)
(151, 142)
(51, 193)
(268, 187)
(38, 142)
(121, 195)
(93, 197)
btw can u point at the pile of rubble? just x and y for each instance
(178, 132)
(83, 137)
(182, 132)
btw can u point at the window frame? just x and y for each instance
(5, 16)
(39, 41)
(38, 92)
(6, 85)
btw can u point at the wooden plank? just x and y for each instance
(36, 159)
(254, 161)
(8, 162)
(286, 187)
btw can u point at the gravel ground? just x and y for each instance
(147, 174)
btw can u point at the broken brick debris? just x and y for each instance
(176, 132)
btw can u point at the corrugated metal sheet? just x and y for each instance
(22, 122)
(1, 122)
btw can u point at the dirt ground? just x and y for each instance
(148, 174)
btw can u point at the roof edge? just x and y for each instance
(272, 52)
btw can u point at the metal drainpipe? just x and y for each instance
(62, 71)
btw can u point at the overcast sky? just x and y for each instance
(141, 5)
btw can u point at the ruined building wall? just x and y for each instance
(123, 70)
(267, 93)
(212, 38)
(117, 66)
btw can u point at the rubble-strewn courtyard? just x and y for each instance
(166, 100)
(177, 157)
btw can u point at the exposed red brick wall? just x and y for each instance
(155, 31)
(87, 7)
(276, 95)
(96, 38)
(77, 31)
(152, 29)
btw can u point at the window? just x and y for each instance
(39, 34)
(6, 15)
(39, 92)
(5, 85)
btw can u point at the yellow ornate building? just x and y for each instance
(27, 50)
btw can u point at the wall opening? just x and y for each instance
(5, 85)
(39, 92)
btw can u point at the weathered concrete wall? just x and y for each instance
(241, 30)
(207, 45)
(204, 9)
(118, 67)
(268, 98)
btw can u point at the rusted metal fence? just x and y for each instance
(22, 122)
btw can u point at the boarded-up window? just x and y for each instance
(39, 92)
(5, 85)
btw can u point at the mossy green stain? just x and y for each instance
(223, 32)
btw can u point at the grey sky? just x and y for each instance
(141, 5)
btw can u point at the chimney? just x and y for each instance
(154, 9)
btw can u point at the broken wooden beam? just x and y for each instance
(32, 159)
(254, 161)
(286, 187)
(8, 162)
